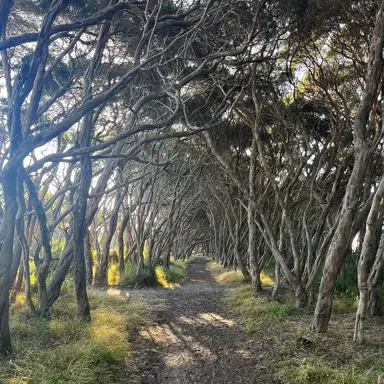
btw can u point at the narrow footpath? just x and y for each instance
(193, 337)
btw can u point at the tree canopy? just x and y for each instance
(136, 132)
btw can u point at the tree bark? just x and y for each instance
(366, 252)
(339, 244)
(335, 257)
(375, 282)
(88, 258)
(253, 259)
(42, 265)
(101, 274)
(6, 255)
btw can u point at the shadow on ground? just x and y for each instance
(193, 338)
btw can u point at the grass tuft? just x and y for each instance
(257, 313)
(315, 370)
(65, 350)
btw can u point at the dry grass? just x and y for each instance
(232, 277)
(331, 358)
(302, 357)
(294, 353)
(65, 350)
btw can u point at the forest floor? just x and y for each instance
(192, 336)
(210, 329)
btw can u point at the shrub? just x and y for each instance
(177, 272)
(133, 276)
(113, 274)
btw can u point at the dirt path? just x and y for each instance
(194, 338)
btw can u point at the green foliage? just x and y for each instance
(157, 276)
(65, 350)
(77, 8)
(257, 313)
(345, 304)
(57, 247)
(232, 277)
(347, 281)
(113, 274)
(133, 276)
(177, 272)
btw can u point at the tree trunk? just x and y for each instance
(253, 260)
(239, 260)
(80, 208)
(123, 225)
(88, 258)
(24, 247)
(101, 274)
(42, 265)
(339, 244)
(79, 233)
(6, 255)
(366, 252)
(375, 281)
(61, 271)
(276, 286)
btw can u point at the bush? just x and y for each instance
(177, 272)
(133, 277)
(113, 274)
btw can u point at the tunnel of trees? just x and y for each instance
(133, 131)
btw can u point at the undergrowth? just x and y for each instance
(297, 355)
(157, 276)
(257, 313)
(65, 350)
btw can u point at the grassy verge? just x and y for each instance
(232, 277)
(65, 350)
(257, 313)
(296, 355)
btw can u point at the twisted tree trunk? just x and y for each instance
(335, 257)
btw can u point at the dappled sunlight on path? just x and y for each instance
(193, 338)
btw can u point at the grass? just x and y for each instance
(281, 330)
(327, 359)
(176, 273)
(315, 370)
(65, 350)
(232, 277)
(331, 358)
(257, 313)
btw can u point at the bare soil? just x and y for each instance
(193, 337)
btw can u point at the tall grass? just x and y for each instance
(65, 350)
